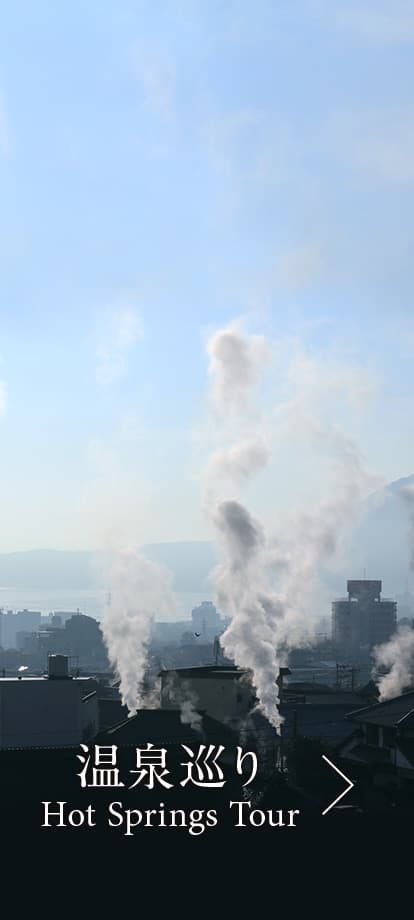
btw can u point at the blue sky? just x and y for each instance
(166, 167)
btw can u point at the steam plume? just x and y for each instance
(398, 653)
(266, 623)
(236, 362)
(398, 656)
(181, 694)
(139, 588)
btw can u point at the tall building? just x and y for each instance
(13, 623)
(362, 620)
(206, 620)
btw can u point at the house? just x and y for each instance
(313, 711)
(381, 748)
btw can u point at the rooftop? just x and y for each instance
(332, 698)
(398, 712)
(356, 600)
(164, 726)
(365, 753)
(222, 671)
(13, 680)
(44, 679)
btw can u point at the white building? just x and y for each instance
(224, 693)
(52, 711)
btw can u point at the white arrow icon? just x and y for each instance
(347, 780)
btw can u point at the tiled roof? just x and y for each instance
(398, 712)
(164, 726)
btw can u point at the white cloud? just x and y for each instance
(122, 330)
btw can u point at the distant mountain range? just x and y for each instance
(383, 541)
(381, 547)
(190, 563)
(45, 568)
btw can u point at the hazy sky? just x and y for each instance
(166, 167)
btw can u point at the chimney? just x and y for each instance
(58, 667)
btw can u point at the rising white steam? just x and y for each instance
(235, 365)
(398, 656)
(265, 586)
(184, 697)
(243, 594)
(138, 589)
(239, 462)
(398, 653)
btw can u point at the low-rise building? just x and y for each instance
(381, 748)
(49, 711)
(223, 693)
